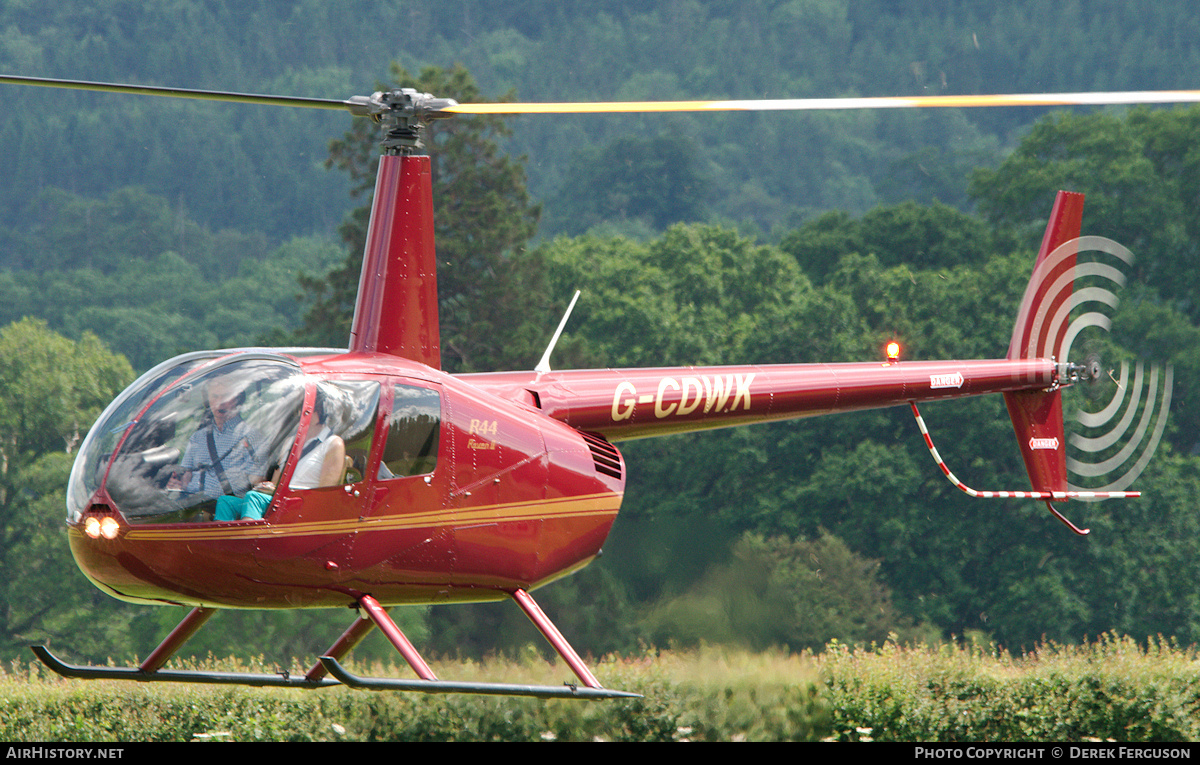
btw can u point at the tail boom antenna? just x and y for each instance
(543, 366)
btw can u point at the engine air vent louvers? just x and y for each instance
(605, 456)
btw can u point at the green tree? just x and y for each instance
(483, 217)
(918, 236)
(128, 227)
(782, 592)
(51, 389)
(656, 181)
(703, 295)
(1138, 173)
(697, 294)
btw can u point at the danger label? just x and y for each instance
(946, 381)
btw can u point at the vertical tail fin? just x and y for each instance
(1038, 421)
(1036, 335)
(1037, 414)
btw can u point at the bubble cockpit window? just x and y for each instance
(211, 435)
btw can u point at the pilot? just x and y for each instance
(225, 456)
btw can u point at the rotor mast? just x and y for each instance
(397, 306)
(396, 310)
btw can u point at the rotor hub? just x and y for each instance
(402, 113)
(1089, 371)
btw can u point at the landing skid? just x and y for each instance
(375, 616)
(494, 689)
(283, 679)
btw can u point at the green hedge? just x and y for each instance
(1113, 689)
(719, 697)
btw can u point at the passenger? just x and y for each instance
(323, 459)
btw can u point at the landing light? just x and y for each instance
(105, 526)
(109, 527)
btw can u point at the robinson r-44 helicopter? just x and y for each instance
(368, 477)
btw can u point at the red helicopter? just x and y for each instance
(369, 478)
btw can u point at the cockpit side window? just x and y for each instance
(413, 430)
(338, 441)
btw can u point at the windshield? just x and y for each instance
(92, 461)
(210, 435)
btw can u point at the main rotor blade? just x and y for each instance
(154, 90)
(817, 104)
(781, 104)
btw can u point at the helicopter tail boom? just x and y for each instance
(639, 403)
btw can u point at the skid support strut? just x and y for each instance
(430, 684)
(379, 615)
(183, 632)
(151, 670)
(353, 635)
(555, 638)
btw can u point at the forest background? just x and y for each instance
(132, 229)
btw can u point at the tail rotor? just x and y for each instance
(1113, 445)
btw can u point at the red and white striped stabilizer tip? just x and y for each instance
(1054, 495)
(1046, 496)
